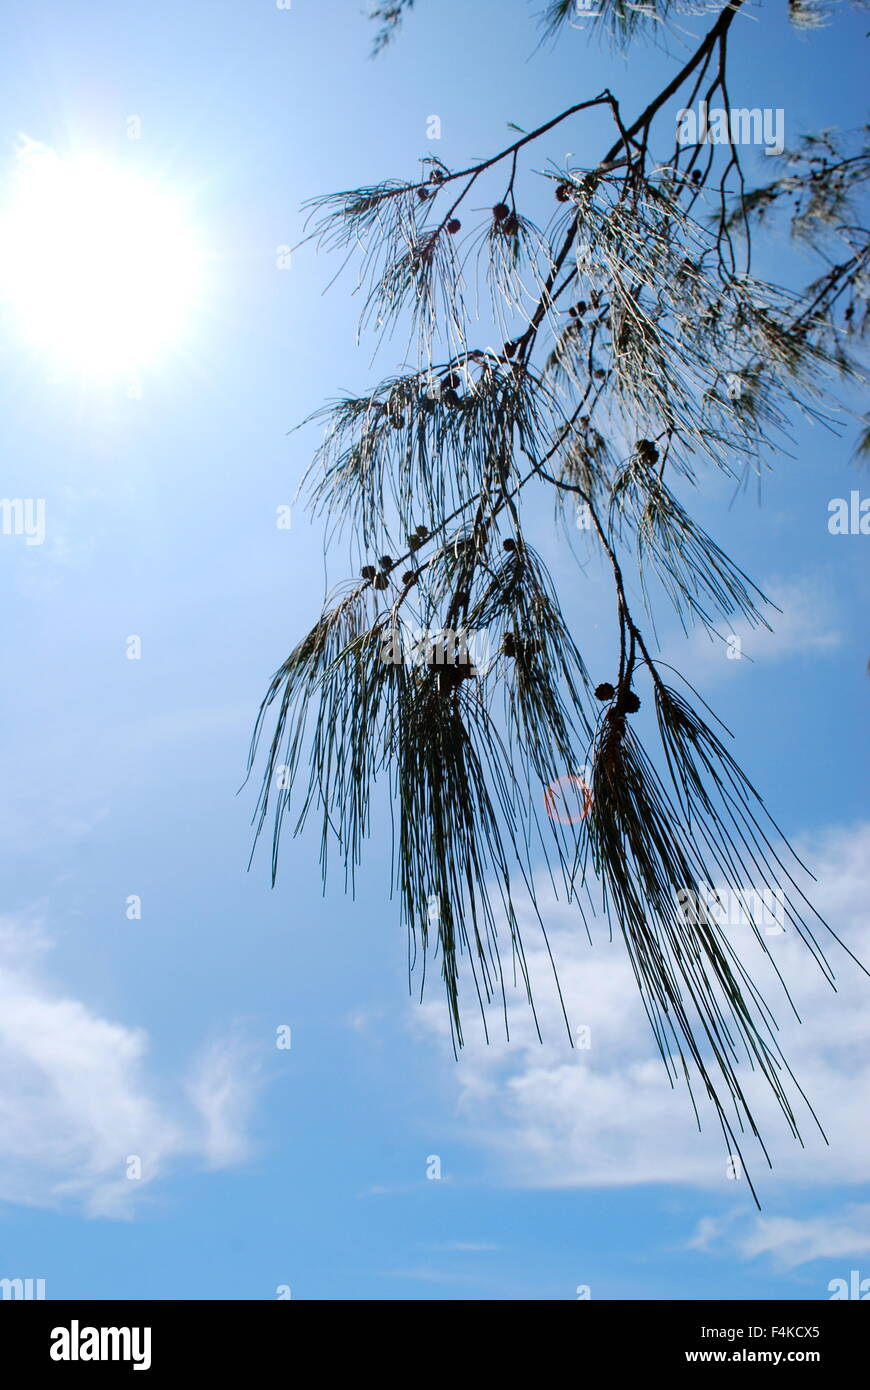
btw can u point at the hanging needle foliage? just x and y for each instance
(631, 350)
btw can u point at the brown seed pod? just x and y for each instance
(368, 571)
(604, 691)
(500, 211)
(509, 544)
(386, 562)
(451, 676)
(630, 703)
(409, 578)
(454, 226)
(561, 193)
(380, 581)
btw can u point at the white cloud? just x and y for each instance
(607, 1116)
(795, 1242)
(791, 1241)
(222, 1094)
(806, 626)
(76, 1100)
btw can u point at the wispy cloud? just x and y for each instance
(789, 1241)
(606, 1115)
(77, 1103)
(808, 625)
(428, 1275)
(468, 1247)
(92, 758)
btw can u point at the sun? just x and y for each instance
(98, 268)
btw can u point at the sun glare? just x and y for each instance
(97, 268)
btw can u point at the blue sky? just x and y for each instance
(307, 1167)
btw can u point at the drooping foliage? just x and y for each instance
(629, 349)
